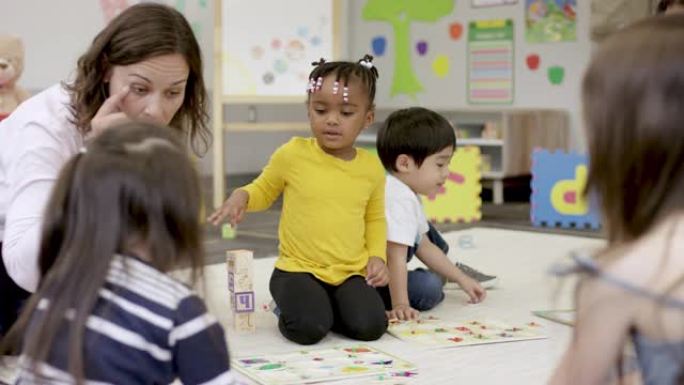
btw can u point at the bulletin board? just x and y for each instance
(267, 46)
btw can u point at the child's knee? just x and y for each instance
(427, 292)
(367, 327)
(304, 330)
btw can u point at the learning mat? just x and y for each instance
(440, 333)
(309, 366)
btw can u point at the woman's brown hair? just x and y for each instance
(633, 96)
(134, 186)
(139, 33)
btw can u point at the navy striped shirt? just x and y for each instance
(146, 328)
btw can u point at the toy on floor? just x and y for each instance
(459, 199)
(558, 181)
(441, 333)
(305, 366)
(228, 231)
(241, 288)
(11, 67)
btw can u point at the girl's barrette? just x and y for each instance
(336, 87)
(367, 61)
(317, 63)
(319, 83)
(366, 64)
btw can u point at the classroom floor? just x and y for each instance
(259, 231)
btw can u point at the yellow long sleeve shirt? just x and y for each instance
(333, 216)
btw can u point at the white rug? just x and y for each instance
(520, 259)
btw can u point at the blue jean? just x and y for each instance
(424, 286)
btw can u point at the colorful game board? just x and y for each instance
(309, 366)
(439, 333)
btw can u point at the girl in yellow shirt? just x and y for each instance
(332, 229)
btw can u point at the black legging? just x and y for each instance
(310, 308)
(12, 298)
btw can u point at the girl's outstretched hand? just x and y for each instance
(377, 273)
(233, 208)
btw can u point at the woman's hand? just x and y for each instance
(109, 114)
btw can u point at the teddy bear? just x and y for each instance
(11, 66)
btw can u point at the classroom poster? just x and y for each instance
(492, 3)
(490, 62)
(550, 20)
(306, 366)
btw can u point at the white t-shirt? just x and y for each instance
(406, 221)
(35, 141)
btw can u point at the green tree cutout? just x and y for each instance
(400, 14)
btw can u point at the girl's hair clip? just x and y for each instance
(367, 61)
(336, 87)
(319, 83)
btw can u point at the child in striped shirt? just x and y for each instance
(123, 213)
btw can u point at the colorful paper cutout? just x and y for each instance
(455, 30)
(379, 44)
(422, 47)
(400, 15)
(280, 66)
(558, 181)
(459, 199)
(490, 62)
(440, 333)
(268, 78)
(533, 61)
(321, 365)
(550, 20)
(556, 75)
(440, 66)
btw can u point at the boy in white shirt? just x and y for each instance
(416, 146)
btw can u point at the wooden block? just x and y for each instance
(241, 288)
(244, 322)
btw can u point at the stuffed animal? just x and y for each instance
(11, 66)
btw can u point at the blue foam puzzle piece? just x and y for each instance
(547, 169)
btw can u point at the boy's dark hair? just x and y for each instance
(363, 69)
(416, 132)
(134, 185)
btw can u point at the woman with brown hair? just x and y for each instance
(633, 290)
(145, 65)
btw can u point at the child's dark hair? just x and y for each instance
(416, 132)
(363, 69)
(663, 5)
(133, 186)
